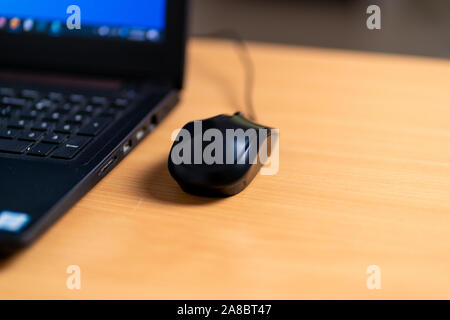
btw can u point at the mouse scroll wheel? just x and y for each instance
(241, 148)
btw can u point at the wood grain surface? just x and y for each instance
(364, 180)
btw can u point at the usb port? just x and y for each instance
(126, 147)
(140, 134)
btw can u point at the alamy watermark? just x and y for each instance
(74, 20)
(241, 147)
(73, 282)
(373, 282)
(374, 20)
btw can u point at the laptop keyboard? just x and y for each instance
(53, 124)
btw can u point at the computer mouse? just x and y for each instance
(219, 156)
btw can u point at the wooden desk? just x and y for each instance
(364, 180)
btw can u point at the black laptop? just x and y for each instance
(81, 84)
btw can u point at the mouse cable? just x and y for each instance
(246, 60)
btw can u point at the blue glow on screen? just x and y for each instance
(130, 13)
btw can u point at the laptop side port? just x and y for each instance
(107, 166)
(140, 134)
(153, 122)
(127, 147)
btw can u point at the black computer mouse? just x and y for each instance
(219, 156)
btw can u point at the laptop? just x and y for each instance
(81, 84)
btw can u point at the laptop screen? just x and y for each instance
(130, 20)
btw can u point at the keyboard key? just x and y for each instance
(65, 108)
(29, 114)
(77, 98)
(53, 116)
(43, 104)
(30, 94)
(56, 96)
(70, 148)
(110, 112)
(120, 103)
(7, 92)
(31, 136)
(5, 112)
(55, 138)
(129, 94)
(95, 126)
(99, 101)
(41, 150)
(65, 128)
(18, 123)
(88, 109)
(41, 125)
(8, 133)
(14, 146)
(14, 102)
(77, 118)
